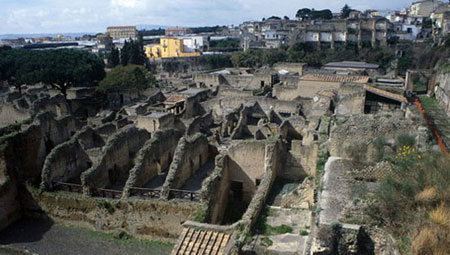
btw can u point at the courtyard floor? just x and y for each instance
(43, 237)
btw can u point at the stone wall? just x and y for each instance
(10, 114)
(232, 92)
(282, 92)
(23, 148)
(116, 160)
(151, 124)
(215, 190)
(155, 156)
(351, 100)
(210, 80)
(443, 91)
(200, 124)
(147, 219)
(30, 145)
(291, 67)
(246, 165)
(272, 162)
(176, 67)
(10, 206)
(65, 162)
(299, 162)
(308, 89)
(191, 154)
(220, 106)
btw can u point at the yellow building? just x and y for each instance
(168, 48)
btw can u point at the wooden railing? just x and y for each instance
(70, 187)
(185, 194)
(146, 193)
(107, 193)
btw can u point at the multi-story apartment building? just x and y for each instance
(424, 8)
(122, 32)
(168, 48)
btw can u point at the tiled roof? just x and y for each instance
(387, 94)
(335, 78)
(352, 64)
(175, 99)
(201, 242)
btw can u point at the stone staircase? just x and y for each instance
(200, 242)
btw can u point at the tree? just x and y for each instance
(132, 53)
(303, 13)
(125, 53)
(273, 56)
(286, 18)
(345, 12)
(114, 58)
(321, 14)
(60, 69)
(127, 77)
(65, 68)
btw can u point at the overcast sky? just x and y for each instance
(52, 16)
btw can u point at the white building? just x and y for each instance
(424, 8)
(194, 43)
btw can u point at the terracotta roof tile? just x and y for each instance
(335, 78)
(387, 94)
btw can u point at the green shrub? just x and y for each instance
(357, 153)
(265, 241)
(304, 233)
(379, 145)
(405, 140)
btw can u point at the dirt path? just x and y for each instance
(47, 238)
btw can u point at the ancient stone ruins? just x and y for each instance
(201, 162)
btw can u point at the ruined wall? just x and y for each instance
(443, 92)
(106, 130)
(175, 67)
(10, 207)
(148, 219)
(299, 162)
(215, 190)
(68, 160)
(285, 92)
(241, 131)
(246, 165)
(154, 157)
(232, 92)
(56, 105)
(10, 114)
(210, 80)
(151, 124)
(190, 155)
(291, 67)
(249, 82)
(309, 89)
(351, 100)
(200, 124)
(65, 162)
(220, 106)
(116, 158)
(272, 162)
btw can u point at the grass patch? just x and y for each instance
(123, 239)
(265, 241)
